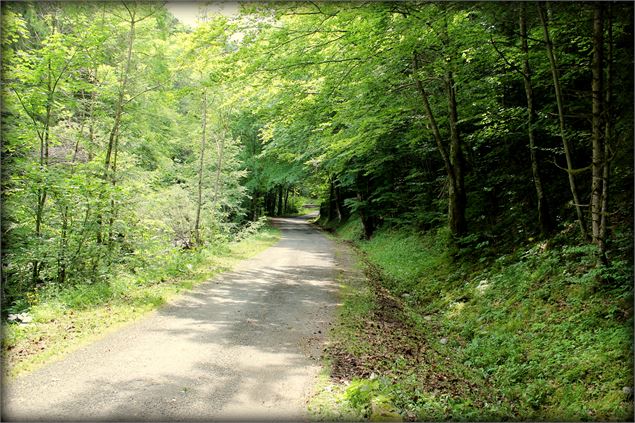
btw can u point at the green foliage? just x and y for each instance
(100, 133)
(406, 257)
(108, 184)
(540, 334)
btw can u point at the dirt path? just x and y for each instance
(243, 346)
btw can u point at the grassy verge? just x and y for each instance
(329, 402)
(533, 335)
(64, 319)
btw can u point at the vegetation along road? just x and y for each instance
(244, 345)
(471, 161)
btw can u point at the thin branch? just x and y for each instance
(68, 63)
(302, 13)
(502, 56)
(129, 11)
(402, 86)
(350, 69)
(572, 171)
(303, 33)
(316, 6)
(295, 65)
(150, 14)
(120, 17)
(30, 114)
(292, 39)
(323, 31)
(143, 92)
(325, 43)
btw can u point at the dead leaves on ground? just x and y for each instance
(394, 348)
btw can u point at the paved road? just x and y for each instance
(243, 346)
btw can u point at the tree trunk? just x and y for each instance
(565, 141)
(597, 131)
(280, 192)
(120, 98)
(286, 200)
(109, 171)
(91, 116)
(338, 202)
(330, 208)
(254, 206)
(113, 203)
(270, 203)
(608, 136)
(199, 198)
(364, 210)
(457, 203)
(61, 258)
(220, 148)
(544, 218)
(44, 158)
(368, 222)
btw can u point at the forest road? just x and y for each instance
(245, 345)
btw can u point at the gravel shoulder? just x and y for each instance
(245, 345)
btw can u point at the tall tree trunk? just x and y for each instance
(113, 136)
(199, 199)
(272, 202)
(254, 206)
(220, 149)
(330, 208)
(597, 131)
(61, 258)
(456, 220)
(120, 98)
(91, 115)
(338, 202)
(113, 203)
(563, 135)
(608, 135)
(44, 158)
(456, 209)
(544, 218)
(280, 191)
(368, 222)
(365, 212)
(286, 201)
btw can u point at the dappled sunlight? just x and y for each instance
(244, 344)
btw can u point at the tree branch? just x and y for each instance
(66, 65)
(572, 171)
(143, 92)
(30, 114)
(502, 56)
(321, 62)
(350, 69)
(150, 14)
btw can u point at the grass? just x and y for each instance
(534, 335)
(65, 319)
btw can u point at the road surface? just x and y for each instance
(245, 345)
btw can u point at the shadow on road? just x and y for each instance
(242, 346)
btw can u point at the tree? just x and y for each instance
(571, 171)
(544, 217)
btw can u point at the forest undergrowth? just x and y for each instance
(530, 334)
